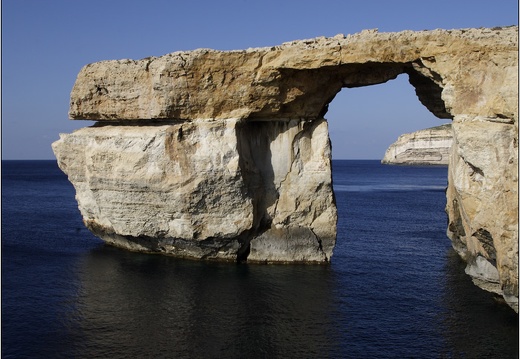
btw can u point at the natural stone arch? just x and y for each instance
(225, 155)
(320, 86)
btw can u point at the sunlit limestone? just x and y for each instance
(430, 146)
(206, 189)
(240, 167)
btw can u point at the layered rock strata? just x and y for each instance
(205, 189)
(430, 146)
(225, 155)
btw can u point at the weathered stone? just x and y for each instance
(430, 146)
(294, 161)
(177, 181)
(451, 70)
(204, 189)
(244, 173)
(483, 199)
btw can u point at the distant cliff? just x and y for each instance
(430, 146)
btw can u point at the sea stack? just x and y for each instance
(225, 155)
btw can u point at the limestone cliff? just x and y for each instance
(225, 155)
(205, 189)
(430, 146)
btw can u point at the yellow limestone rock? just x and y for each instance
(211, 154)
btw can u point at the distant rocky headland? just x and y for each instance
(222, 155)
(430, 146)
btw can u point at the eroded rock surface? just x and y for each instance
(483, 202)
(225, 155)
(206, 189)
(430, 146)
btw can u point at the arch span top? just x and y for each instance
(469, 71)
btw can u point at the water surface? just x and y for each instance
(394, 289)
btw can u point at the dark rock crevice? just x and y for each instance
(428, 88)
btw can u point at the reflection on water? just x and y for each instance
(151, 306)
(475, 324)
(136, 305)
(394, 289)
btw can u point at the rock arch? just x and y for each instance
(225, 155)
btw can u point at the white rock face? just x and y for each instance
(303, 212)
(169, 184)
(206, 189)
(482, 197)
(430, 146)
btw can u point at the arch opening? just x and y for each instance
(364, 120)
(395, 213)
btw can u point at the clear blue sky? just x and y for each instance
(46, 42)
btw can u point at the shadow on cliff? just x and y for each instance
(258, 172)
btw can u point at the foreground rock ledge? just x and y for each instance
(225, 155)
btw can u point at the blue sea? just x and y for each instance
(394, 289)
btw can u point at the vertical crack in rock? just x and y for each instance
(456, 228)
(258, 175)
(485, 238)
(320, 246)
(285, 176)
(185, 75)
(148, 60)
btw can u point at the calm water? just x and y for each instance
(395, 288)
